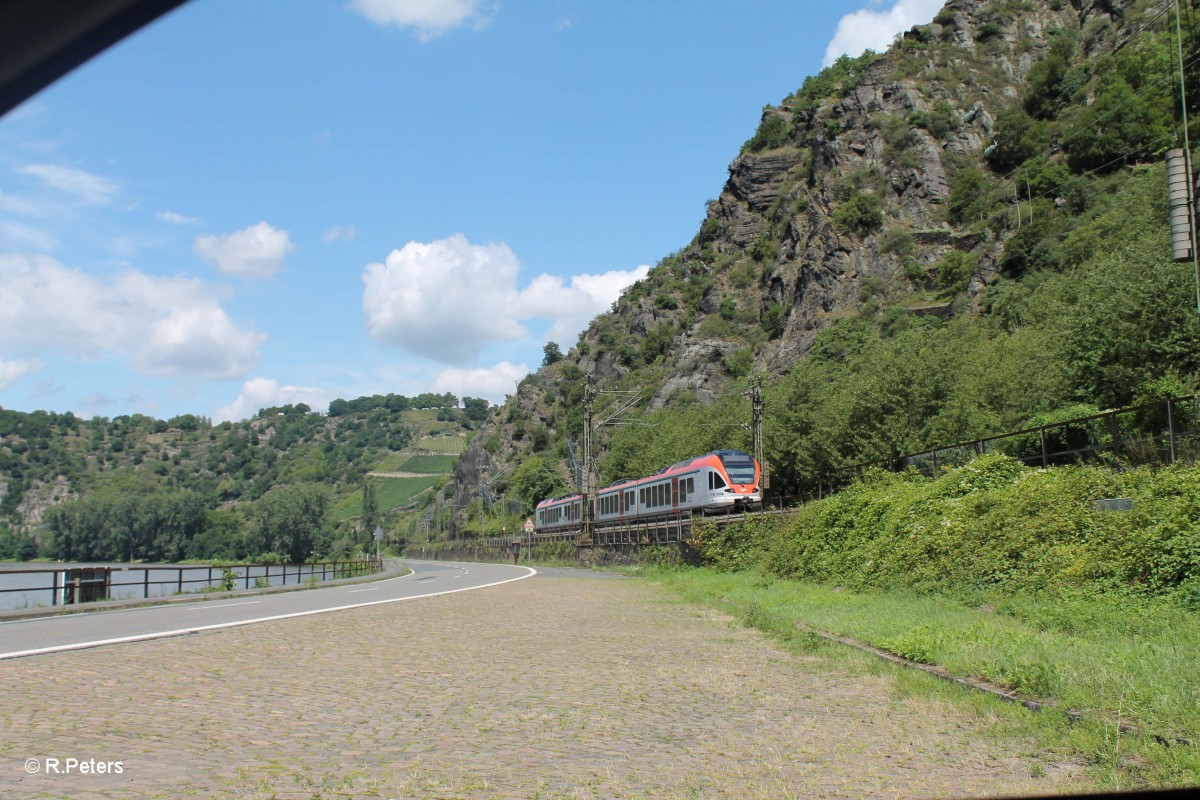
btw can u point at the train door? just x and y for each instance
(674, 497)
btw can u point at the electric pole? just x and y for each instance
(587, 484)
(756, 418)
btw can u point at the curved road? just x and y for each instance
(32, 637)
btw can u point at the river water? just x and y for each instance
(32, 585)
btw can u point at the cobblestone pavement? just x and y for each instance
(550, 687)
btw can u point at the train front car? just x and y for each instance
(734, 482)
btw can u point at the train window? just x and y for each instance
(691, 485)
(718, 481)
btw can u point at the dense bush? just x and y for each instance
(772, 132)
(861, 214)
(992, 527)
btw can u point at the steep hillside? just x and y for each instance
(394, 448)
(901, 250)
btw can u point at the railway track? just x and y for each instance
(664, 531)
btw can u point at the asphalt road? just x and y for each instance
(32, 637)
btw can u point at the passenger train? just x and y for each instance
(715, 483)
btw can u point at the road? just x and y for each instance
(572, 686)
(44, 635)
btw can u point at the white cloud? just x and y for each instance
(164, 326)
(21, 237)
(430, 18)
(86, 187)
(574, 307)
(493, 383)
(875, 28)
(448, 299)
(339, 233)
(17, 205)
(445, 300)
(12, 371)
(199, 341)
(254, 252)
(176, 219)
(259, 393)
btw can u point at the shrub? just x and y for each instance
(898, 241)
(772, 132)
(861, 214)
(740, 362)
(773, 320)
(763, 248)
(955, 270)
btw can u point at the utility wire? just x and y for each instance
(1011, 177)
(1073, 133)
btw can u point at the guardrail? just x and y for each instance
(69, 585)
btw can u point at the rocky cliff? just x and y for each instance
(854, 193)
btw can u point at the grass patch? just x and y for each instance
(392, 493)
(408, 461)
(430, 465)
(446, 445)
(1116, 661)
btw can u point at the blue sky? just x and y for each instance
(255, 203)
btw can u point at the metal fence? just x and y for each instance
(1161, 433)
(660, 531)
(85, 583)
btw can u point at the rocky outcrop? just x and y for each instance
(40, 497)
(843, 204)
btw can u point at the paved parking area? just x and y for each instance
(545, 688)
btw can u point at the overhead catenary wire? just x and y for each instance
(1005, 182)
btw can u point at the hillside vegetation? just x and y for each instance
(288, 483)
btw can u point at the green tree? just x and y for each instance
(289, 520)
(536, 479)
(476, 408)
(370, 507)
(1122, 127)
(551, 354)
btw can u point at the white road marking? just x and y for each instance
(356, 591)
(203, 606)
(39, 619)
(161, 604)
(142, 637)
